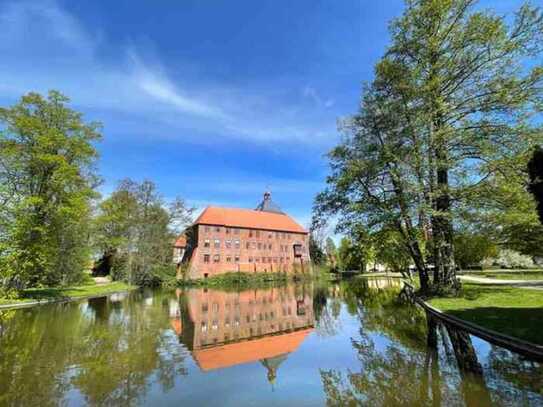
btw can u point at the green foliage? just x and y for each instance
(47, 178)
(450, 110)
(235, 280)
(351, 256)
(135, 231)
(315, 251)
(471, 249)
(331, 253)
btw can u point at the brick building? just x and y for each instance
(223, 240)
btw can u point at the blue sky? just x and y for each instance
(214, 100)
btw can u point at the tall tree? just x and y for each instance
(135, 230)
(451, 106)
(47, 178)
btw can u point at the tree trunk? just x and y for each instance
(442, 233)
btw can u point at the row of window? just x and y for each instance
(261, 317)
(217, 259)
(205, 341)
(264, 300)
(248, 245)
(252, 233)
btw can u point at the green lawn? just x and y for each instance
(517, 312)
(34, 294)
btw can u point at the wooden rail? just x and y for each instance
(525, 348)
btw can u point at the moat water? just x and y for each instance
(348, 343)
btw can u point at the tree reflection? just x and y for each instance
(407, 358)
(105, 349)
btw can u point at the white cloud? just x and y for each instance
(311, 93)
(44, 47)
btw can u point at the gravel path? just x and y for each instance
(496, 281)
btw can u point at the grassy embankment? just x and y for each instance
(516, 312)
(61, 293)
(236, 280)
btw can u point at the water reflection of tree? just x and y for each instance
(106, 351)
(326, 308)
(407, 359)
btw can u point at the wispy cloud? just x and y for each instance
(311, 93)
(45, 47)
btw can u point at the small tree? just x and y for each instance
(135, 230)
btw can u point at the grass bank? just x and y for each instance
(237, 280)
(516, 312)
(65, 293)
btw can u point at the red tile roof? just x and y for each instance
(181, 241)
(247, 218)
(249, 351)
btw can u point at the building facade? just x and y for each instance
(223, 329)
(263, 240)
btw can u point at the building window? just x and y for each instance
(275, 259)
(217, 229)
(259, 245)
(228, 244)
(204, 326)
(258, 233)
(236, 231)
(227, 231)
(247, 245)
(270, 235)
(251, 233)
(254, 245)
(206, 243)
(257, 259)
(206, 258)
(216, 258)
(281, 260)
(217, 244)
(269, 259)
(250, 259)
(228, 259)
(206, 229)
(270, 246)
(263, 260)
(236, 259)
(288, 236)
(236, 243)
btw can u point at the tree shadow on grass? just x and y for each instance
(522, 323)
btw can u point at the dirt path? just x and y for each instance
(101, 280)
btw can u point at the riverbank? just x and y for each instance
(38, 296)
(513, 311)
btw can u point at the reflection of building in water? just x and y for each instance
(228, 328)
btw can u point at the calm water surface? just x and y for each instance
(303, 345)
